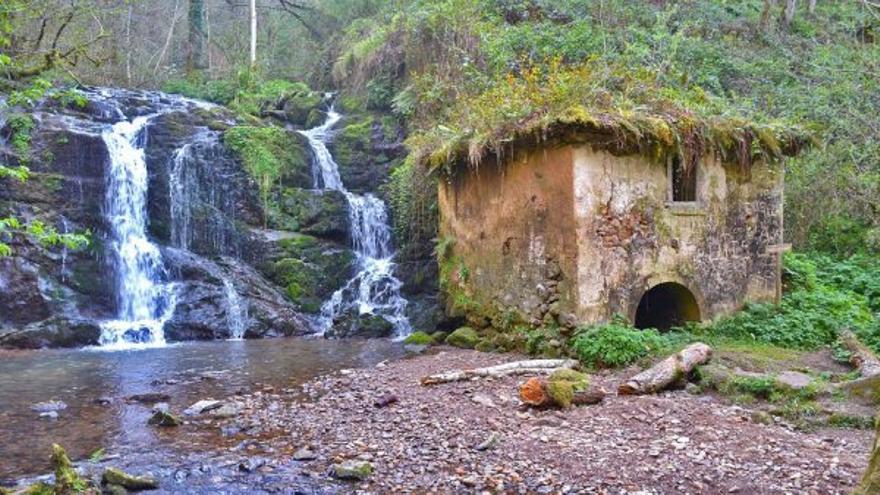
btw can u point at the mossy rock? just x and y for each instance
(164, 419)
(419, 338)
(67, 480)
(40, 488)
(310, 269)
(353, 470)
(561, 392)
(113, 476)
(464, 338)
(439, 336)
(318, 213)
(299, 107)
(485, 345)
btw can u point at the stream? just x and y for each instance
(95, 384)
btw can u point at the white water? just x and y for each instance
(374, 289)
(144, 302)
(236, 312)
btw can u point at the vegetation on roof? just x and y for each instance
(612, 108)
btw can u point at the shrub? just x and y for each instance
(615, 344)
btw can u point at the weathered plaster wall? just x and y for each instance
(572, 233)
(512, 229)
(630, 238)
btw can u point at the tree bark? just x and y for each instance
(811, 7)
(667, 372)
(788, 13)
(534, 366)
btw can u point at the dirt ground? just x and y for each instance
(427, 441)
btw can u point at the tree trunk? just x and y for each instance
(128, 45)
(765, 14)
(536, 366)
(788, 13)
(253, 12)
(811, 8)
(668, 372)
(860, 356)
(168, 37)
(195, 53)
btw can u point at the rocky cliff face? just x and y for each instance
(205, 213)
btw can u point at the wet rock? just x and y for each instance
(202, 311)
(251, 465)
(352, 470)
(49, 406)
(202, 407)
(367, 326)
(464, 337)
(314, 212)
(49, 415)
(113, 476)
(55, 332)
(226, 411)
(148, 398)
(164, 419)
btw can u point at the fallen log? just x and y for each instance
(533, 366)
(667, 372)
(562, 389)
(860, 355)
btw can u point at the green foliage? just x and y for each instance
(614, 344)
(466, 74)
(817, 305)
(21, 125)
(268, 152)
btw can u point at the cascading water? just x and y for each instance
(144, 302)
(374, 289)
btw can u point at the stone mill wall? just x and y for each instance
(573, 236)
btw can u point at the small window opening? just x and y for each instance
(684, 181)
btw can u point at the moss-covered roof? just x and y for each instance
(657, 135)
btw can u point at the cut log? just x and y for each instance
(533, 392)
(860, 355)
(538, 392)
(593, 395)
(533, 366)
(667, 372)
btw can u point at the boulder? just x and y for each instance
(202, 407)
(164, 419)
(419, 338)
(310, 269)
(352, 470)
(314, 212)
(793, 380)
(464, 337)
(55, 332)
(204, 310)
(367, 326)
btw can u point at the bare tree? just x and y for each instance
(253, 12)
(788, 12)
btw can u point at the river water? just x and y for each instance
(95, 384)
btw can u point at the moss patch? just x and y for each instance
(464, 337)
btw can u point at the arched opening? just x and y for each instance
(665, 306)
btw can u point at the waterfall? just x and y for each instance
(236, 312)
(374, 289)
(144, 302)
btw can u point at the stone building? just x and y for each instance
(575, 227)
